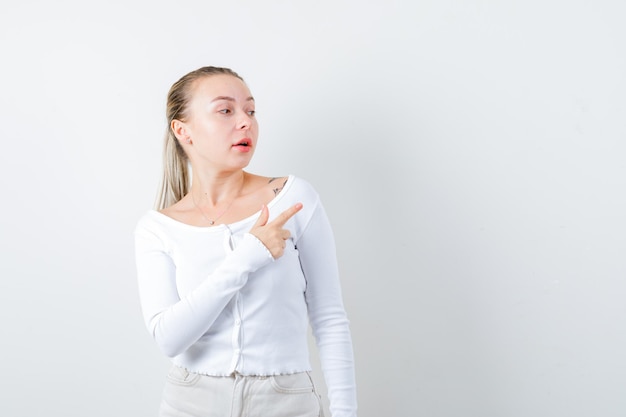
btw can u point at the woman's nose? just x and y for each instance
(244, 122)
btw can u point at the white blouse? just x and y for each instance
(216, 301)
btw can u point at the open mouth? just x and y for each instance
(244, 143)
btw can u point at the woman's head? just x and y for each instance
(179, 111)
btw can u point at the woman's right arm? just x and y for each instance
(176, 323)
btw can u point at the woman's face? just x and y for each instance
(221, 122)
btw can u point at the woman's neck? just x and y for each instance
(214, 189)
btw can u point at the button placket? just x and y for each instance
(237, 336)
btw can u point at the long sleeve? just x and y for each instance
(174, 322)
(327, 315)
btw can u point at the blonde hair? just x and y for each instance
(176, 180)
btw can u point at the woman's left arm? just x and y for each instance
(329, 322)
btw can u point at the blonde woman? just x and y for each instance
(233, 267)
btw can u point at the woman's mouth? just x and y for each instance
(243, 145)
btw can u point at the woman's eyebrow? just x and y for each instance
(227, 98)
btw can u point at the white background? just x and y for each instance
(471, 156)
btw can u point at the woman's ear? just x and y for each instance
(181, 131)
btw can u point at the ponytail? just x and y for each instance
(175, 182)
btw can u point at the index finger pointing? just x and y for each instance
(282, 218)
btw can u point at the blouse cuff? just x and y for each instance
(259, 253)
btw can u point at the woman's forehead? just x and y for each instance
(221, 85)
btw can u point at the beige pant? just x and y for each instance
(192, 395)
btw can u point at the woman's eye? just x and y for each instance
(251, 112)
(224, 111)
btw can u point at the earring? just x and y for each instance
(188, 140)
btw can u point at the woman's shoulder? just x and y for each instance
(290, 184)
(295, 189)
(150, 221)
(162, 220)
(302, 186)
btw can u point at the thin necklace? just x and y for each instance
(212, 222)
